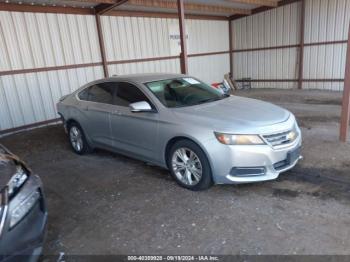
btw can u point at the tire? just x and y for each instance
(190, 170)
(77, 139)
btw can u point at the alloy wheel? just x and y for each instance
(186, 166)
(76, 138)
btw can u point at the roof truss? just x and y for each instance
(272, 3)
(167, 4)
(103, 8)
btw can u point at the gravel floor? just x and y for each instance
(105, 203)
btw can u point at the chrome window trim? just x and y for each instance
(124, 81)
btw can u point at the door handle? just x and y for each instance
(98, 110)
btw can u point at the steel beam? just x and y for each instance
(103, 9)
(183, 37)
(102, 45)
(345, 113)
(196, 7)
(301, 48)
(230, 35)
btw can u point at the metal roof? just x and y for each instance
(224, 8)
(52, 3)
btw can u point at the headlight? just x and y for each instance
(293, 134)
(229, 139)
(23, 208)
(17, 180)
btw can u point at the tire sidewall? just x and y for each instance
(206, 179)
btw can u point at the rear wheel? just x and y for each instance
(77, 139)
(189, 166)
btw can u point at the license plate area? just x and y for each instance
(292, 156)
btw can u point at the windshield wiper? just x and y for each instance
(209, 100)
(213, 99)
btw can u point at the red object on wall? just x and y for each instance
(216, 85)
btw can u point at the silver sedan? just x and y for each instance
(180, 123)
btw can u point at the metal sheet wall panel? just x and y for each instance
(210, 69)
(276, 27)
(32, 40)
(207, 36)
(279, 26)
(163, 66)
(137, 37)
(32, 97)
(326, 20)
(267, 64)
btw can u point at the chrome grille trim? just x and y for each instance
(278, 139)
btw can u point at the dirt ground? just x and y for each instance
(105, 203)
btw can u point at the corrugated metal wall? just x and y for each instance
(276, 27)
(129, 38)
(29, 40)
(36, 40)
(206, 37)
(326, 20)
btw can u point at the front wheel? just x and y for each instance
(189, 166)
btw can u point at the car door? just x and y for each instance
(98, 110)
(134, 133)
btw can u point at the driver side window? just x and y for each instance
(128, 93)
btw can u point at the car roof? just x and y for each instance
(145, 78)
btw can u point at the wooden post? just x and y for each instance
(102, 45)
(230, 35)
(345, 113)
(301, 49)
(183, 55)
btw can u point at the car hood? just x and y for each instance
(238, 113)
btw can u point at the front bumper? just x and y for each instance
(248, 164)
(24, 241)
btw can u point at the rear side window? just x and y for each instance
(100, 93)
(128, 93)
(84, 95)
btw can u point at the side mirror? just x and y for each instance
(142, 106)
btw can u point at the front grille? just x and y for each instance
(278, 139)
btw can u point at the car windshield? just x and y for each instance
(185, 91)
